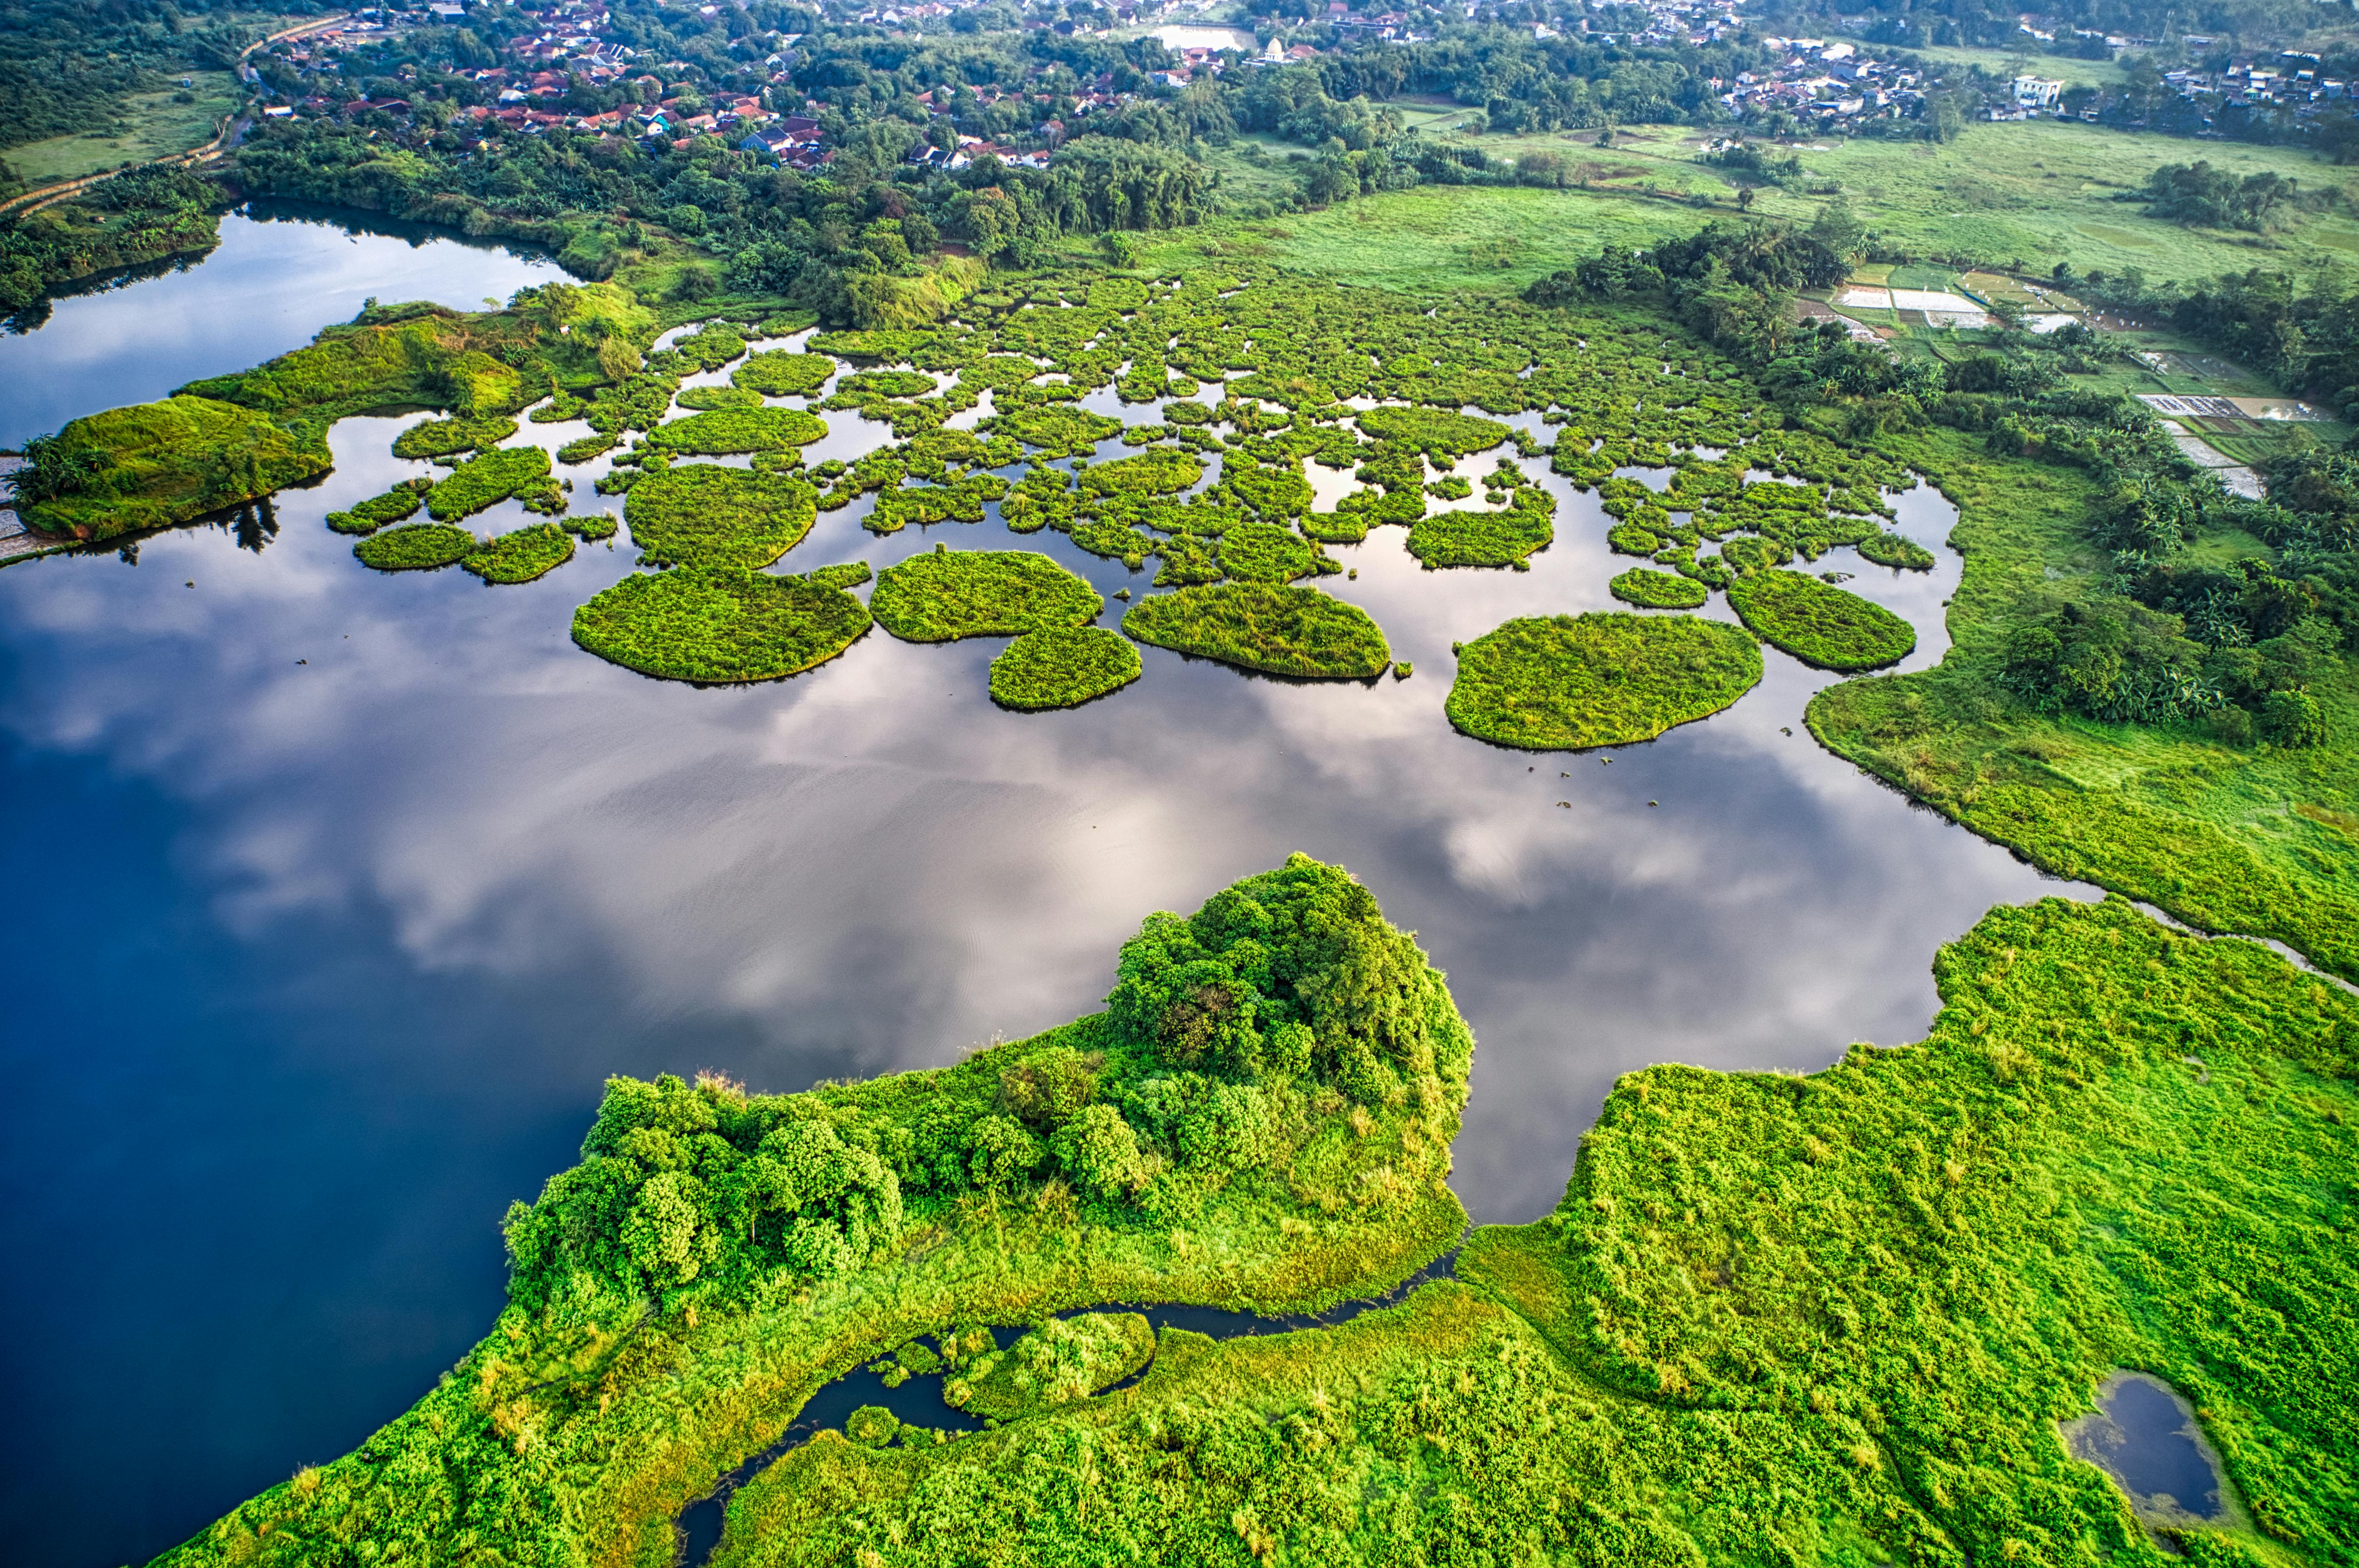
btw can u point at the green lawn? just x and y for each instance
(153, 127)
(2013, 62)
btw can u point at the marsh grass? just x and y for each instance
(948, 594)
(1062, 667)
(1607, 679)
(1659, 590)
(485, 480)
(1819, 624)
(725, 432)
(707, 514)
(1264, 626)
(521, 554)
(416, 547)
(718, 624)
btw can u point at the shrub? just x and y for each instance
(1060, 430)
(1062, 667)
(1264, 626)
(725, 432)
(718, 624)
(1062, 1360)
(706, 515)
(2293, 718)
(1566, 682)
(418, 546)
(945, 595)
(522, 555)
(1658, 591)
(1819, 624)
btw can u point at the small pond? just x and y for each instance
(2146, 1437)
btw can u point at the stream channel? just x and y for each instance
(339, 894)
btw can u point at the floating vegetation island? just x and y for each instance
(703, 513)
(947, 595)
(1263, 627)
(1569, 682)
(1062, 667)
(718, 624)
(1820, 624)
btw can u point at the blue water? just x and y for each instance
(339, 894)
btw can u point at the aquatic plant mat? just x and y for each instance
(1565, 682)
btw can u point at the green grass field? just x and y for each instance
(2033, 192)
(153, 127)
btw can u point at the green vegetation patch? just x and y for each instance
(1264, 626)
(157, 464)
(445, 438)
(1564, 683)
(948, 594)
(706, 515)
(2117, 1147)
(781, 374)
(1464, 537)
(402, 501)
(1062, 1360)
(1060, 429)
(712, 347)
(416, 548)
(1658, 591)
(1819, 624)
(725, 432)
(700, 398)
(1062, 667)
(1159, 472)
(522, 554)
(1438, 433)
(486, 481)
(1264, 552)
(718, 624)
(1896, 550)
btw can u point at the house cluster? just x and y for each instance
(536, 90)
(1827, 81)
(2290, 79)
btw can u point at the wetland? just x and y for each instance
(417, 888)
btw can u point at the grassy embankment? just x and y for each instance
(1261, 1121)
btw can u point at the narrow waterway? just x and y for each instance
(339, 894)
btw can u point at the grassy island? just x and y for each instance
(418, 546)
(1567, 682)
(157, 464)
(948, 594)
(1819, 624)
(1062, 667)
(1264, 626)
(718, 624)
(1659, 590)
(778, 373)
(703, 513)
(724, 432)
(526, 553)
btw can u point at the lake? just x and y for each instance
(341, 893)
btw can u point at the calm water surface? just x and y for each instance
(339, 894)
